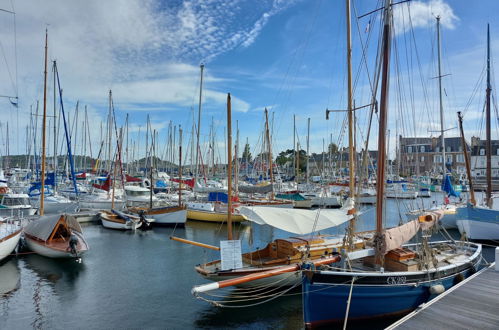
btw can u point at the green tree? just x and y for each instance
(246, 153)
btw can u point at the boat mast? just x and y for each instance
(55, 131)
(42, 188)
(466, 159)
(442, 131)
(267, 133)
(351, 150)
(180, 165)
(308, 151)
(294, 147)
(382, 124)
(229, 168)
(199, 123)
(488, 150)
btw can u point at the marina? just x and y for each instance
(250, 165)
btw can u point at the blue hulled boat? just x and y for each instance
(380, 293)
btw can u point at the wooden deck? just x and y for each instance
(472, 304)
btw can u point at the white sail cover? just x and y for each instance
(297, 221)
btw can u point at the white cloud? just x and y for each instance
(422, 14)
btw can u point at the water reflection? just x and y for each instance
(10, 277)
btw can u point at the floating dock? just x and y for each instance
(471, 304)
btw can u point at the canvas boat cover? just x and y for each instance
(298, 221)
(395, 237)
(43, 226)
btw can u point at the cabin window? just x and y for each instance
(409, 149)
(422, 149)
(482, 152)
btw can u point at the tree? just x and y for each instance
(332, 148)
(246, 153)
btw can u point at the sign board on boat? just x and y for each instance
(230, 252)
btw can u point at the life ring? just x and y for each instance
(146, 183)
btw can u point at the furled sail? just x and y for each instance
(298, 221)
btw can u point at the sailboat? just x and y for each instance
(481, 222)
(171, 214)
(448, 221)
(391, 277)
(10, 233)
(60, 235)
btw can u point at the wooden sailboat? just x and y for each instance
(167, 215)
(390, 278)
(481, 222)
(55, 236)
(10, 233)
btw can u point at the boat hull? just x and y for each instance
(208, 216)
(170, 218)
(24, 211)
(120, 224)
(9, 243)
(51, 251)
(375, 295)
(478, 223)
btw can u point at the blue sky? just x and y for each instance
(288, 56)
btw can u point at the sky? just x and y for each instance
(288, 56)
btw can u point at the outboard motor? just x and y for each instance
(73, 242)
(146, 225)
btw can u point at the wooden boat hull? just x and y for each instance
(375, 294)
(210, 216)
(112, 221)
(9, 243)
(56, 250)
(165, 216)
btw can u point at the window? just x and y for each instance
(409, 149)
(460, 158)
(482, 152)
(423, 149)
(437, 149)
(448, 149)
(422, 158)
(497, 151)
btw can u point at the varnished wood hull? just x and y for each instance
(209, 216)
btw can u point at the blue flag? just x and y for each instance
(447, 187)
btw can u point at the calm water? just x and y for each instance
(141, 280)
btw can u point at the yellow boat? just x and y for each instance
(213, 216)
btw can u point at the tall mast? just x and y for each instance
(42, 188)
(308, 150)
(229, 169)
(383, 118)
(55, 130)
(351, 150)
(199, 122)
(180, 165)
(294, 147)
(466, 159)
(269, 145)
(442, 131)
(488, 150)
(110, 129)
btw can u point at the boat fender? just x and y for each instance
(437, 289)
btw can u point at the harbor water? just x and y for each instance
(142, 280)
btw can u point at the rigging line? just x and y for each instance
(7, 67)
(303, 49)
(425, 92)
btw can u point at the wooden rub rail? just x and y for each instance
(251, 277)
(186, 241)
